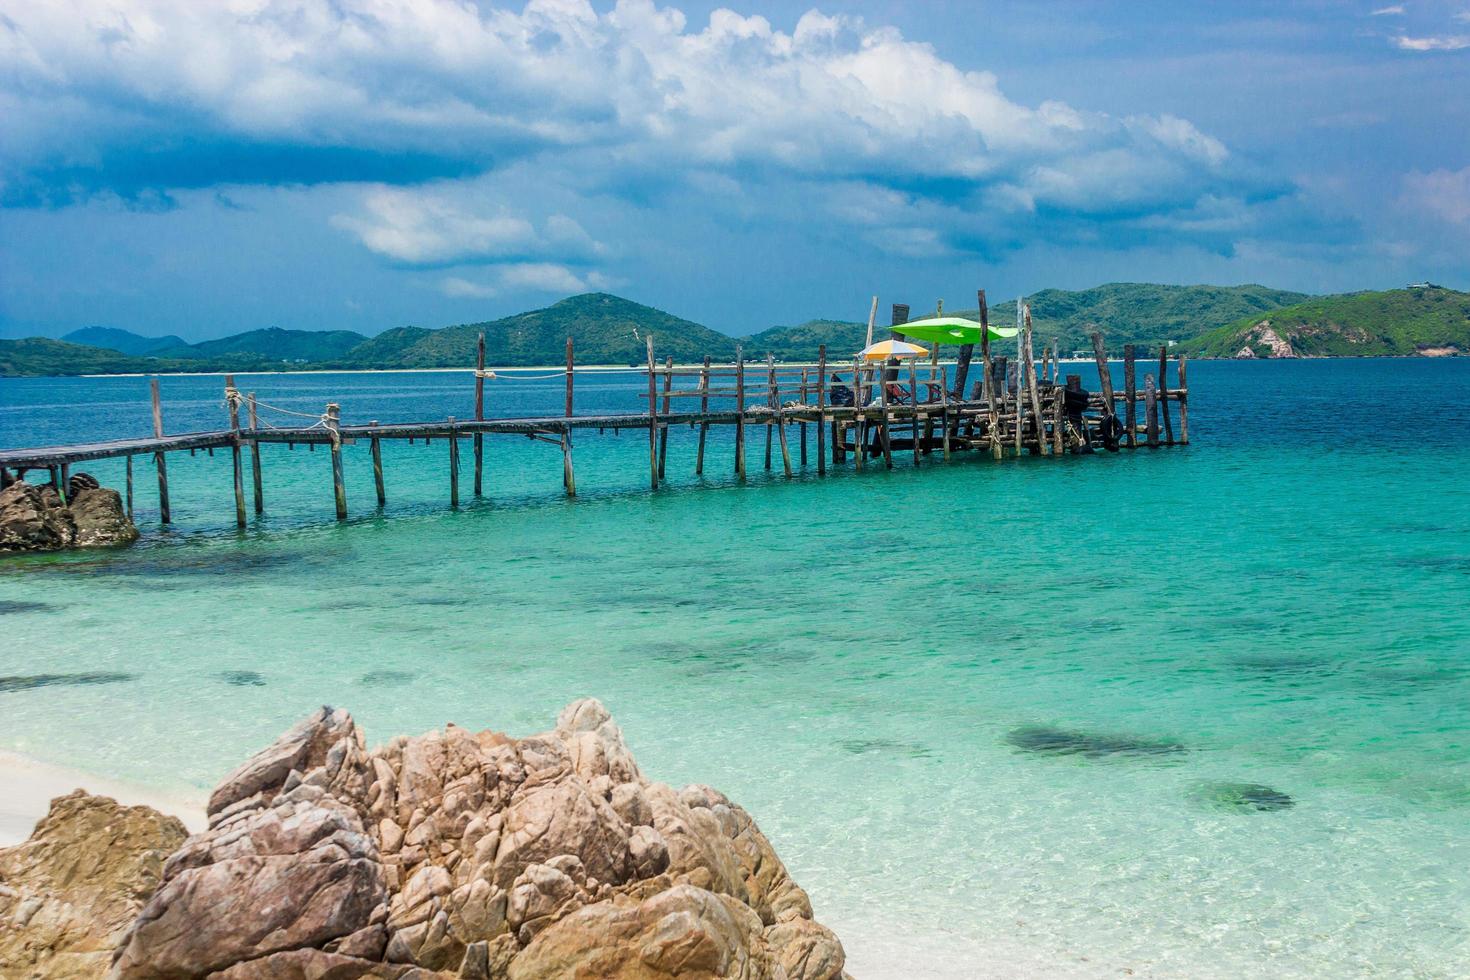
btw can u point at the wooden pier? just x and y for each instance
(874, 413)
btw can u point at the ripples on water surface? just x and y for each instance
(1196, 712)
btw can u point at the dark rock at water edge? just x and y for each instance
(33, 518)
(1059, 741)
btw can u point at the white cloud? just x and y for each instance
(520, 277)
(458, 288)
(1397, 8)
(1445, 194)
(452, 88)
(1438, 42)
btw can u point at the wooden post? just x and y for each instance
(1164, 394)
(822, 409)
(780, 415)
(339, 488)
(663, 435)
(914, 403)
(233, 398)
(988, 385)
(770, 403)
(479, 440)
(571, 370)
(377, 451)
(569, 476)
(859, 415)
(1104, 373)
(944, 407)
(740, 411)
(652, 418)
(703, 410)
(158, 460)
(255, 476)
(1131, 391)
(130, 486)
(1151, 409)
(453, 465)
(1183, 405)
(883, 432)
(802, 424)
(1030, 377)
(1058, 416)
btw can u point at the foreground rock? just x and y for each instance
(69, 893)
(475, 855)
(33, 518)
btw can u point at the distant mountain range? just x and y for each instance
(1213, 321)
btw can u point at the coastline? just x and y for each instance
(28, 785)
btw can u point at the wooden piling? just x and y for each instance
(859, 414)
(1183, 404)
(1030, 368)
(164, 514)
(571, 372)
(914, 403)
(652, 418)
(233, 399)
(1104, 373)
(740, 411)
(663, 435)
(780, 415)
(339, 487)
(479, 440)
(1151, 409)
(770, 403)
(130, 486)
(822, 409)
(1130, 418)
(802, 425)
(1164, 394)
(453, 465)
(255, 476)
(376, 445)
(703, 409)
(883, 432)
(569, 476)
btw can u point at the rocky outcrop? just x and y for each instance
(33, 518)
(1264, 336)
(70, 892)
(474, 855)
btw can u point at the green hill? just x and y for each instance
(604, 329)
(123, 341)
(1126, 313)
(276, 344)
(1428, 320)
(43, 357)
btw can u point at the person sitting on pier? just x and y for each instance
(840, 395)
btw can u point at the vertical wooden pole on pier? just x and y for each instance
(1183, 405)
(771, 404)
(987, 383)
(883, 430)
(479, 440)
(453, 465)
(740, 411)
(1030, 377)
(914, 402)
(822, 410)
(569, 475)
(859, 415)
(652, 418)
(571, 371)
(944, 407)
(1130, 416)
(233, 398)
(255, 477)
(780, 415)
(1164, 394)
(1151, 409)
(663, 435)
(339, 487)
(805, 373)
(1058, 419)
(164, 514)
(703, 410)
(130, 487)
(1104, 374)
(376, 445)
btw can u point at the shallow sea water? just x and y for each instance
(994, 716)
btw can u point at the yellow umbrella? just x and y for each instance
(885, 349)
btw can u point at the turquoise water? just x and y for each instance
(1284, 603)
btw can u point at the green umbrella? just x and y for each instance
(950, 330)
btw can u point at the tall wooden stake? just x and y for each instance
(453, 465)
(1151, 409)
(1130, 388)
(652, 418)
(255, 476)
(479, 440)
(1183, 404)
(1030, 378)
(703, 410)
(740, 411)
(663, 435)
(163, 509)
(130, 487)
(339, 488)
(571, 371)
(1164, 394)
(822, 410)
(780, 415)
(569, 475)
(859, 415)
(235, 458)
(377, 451)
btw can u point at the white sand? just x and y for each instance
(28, 786)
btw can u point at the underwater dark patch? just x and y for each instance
(1060, 741)
(27, 682)
(8, 606)
(242, 678)
(442, 601)
(1437, 563)
(864, 746)
(383, 678)
(1282, 666)
(1244, 797)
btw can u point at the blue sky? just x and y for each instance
(170, 166)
